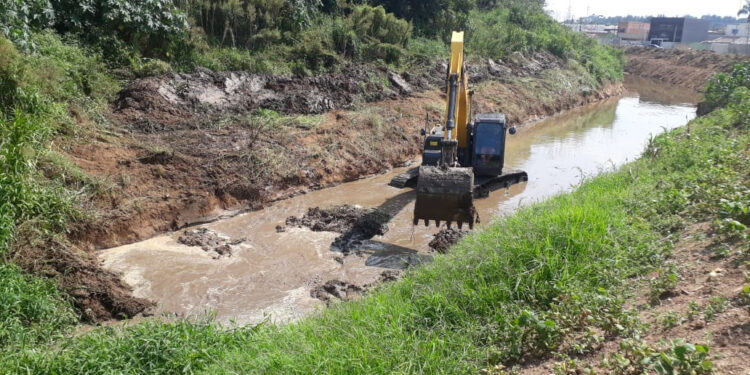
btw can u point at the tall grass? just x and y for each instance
(526, 28)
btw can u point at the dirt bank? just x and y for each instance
(184, 149)
(687, 68)
(178, 155)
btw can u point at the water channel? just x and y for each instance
(270, 274)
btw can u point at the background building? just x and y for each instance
(629, 30)
(668, 32)
(736, 39)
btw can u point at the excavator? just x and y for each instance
(463, 158)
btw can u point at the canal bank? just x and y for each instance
(613, 270)
(276, 276)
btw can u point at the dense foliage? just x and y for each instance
(297, 36)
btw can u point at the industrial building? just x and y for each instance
(669, 32)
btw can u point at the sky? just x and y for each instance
(559, 8)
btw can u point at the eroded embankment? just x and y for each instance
(687, 68)
(183, 149)
(190, 147)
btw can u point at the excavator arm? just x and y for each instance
(445, 192)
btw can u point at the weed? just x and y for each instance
(638, 357)
(32, 311)
(743, 299)
(670, 319)
(715, 306)
(693, 311)
(663, 284)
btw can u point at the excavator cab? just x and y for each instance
(488, 151)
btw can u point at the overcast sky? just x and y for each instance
(608, 8)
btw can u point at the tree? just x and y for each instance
(745, 10)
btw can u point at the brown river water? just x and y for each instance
(270, 275)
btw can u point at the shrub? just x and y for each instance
(730, 89)
(150, 67)
(153, 27)
(18, 18)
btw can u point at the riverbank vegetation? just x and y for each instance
(546, 283)
(554, 281)
(301, 36)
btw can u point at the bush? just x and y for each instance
(732, 90)
(18, 18)
(432, 18)
(250, 23)
(526, 28)
(150, 67)
(153, 27)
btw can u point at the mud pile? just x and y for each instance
(687, 68)
(199, 100)
(356, 224)
(446, 238)
(195, 100)
(208, 240)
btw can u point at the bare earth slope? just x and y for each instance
(687, 68)
(187, 148)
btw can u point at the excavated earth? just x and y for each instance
(183, 149)
(687, 68)
(446, 238)
(356, 224)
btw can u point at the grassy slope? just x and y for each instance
(527, 286)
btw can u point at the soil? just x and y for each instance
(446, 238)
(209, 241)
(355, 224)
(192, 101)
(687, 68)
(705, 274)
(184, 149)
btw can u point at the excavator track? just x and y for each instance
(445, 195)
(483, 186)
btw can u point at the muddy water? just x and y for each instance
(270, 275)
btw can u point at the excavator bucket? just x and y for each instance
(445, 195)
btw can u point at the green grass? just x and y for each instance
(32, 311)
(516, 290)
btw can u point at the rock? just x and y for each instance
(496, 69)
(398, 82)
(208, 240)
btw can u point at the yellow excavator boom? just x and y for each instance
(445, 192)
(463, 101)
